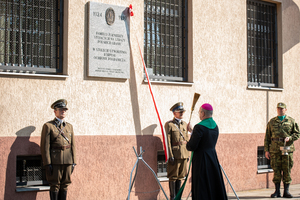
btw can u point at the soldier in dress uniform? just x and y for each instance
(177, 133)
(58, 151)
(281, 129)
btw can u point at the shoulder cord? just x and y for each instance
(179, 131)
(60, 133)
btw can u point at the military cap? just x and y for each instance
(177, 107)
(61, 103)
(281, 105)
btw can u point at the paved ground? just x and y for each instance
(262, 194)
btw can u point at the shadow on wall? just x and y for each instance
(290, 24)
(146, 186)
(21, 146)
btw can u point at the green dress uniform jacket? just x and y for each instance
(55, 149)
(278, 130)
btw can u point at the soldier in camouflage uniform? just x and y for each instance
(281, 129)
(177, 132)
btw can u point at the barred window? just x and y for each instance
(165, 39)
(262, 43)
(29, 171)
(263, 164)
(31, 36)
(161, 164)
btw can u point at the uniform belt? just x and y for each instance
(176, 144)
(277, 139)
(62, 147)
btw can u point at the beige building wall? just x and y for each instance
(110, 111)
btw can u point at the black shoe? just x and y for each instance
(277, 191)
(286, 193)
(53, 195)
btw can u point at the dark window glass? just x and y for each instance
(29, 171)
(262, 43)
(161, 164)
(165, 39)
(31, 36)
(262, 161)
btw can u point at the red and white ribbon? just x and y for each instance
(165, 142)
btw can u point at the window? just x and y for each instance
(262, 43)
(165, 39)
(263, 164)
(31, 36)
(161, 164)
(30, 172)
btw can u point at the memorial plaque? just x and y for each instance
(108, 41)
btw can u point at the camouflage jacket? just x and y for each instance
(281, 129)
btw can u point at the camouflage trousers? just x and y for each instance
(282, 165)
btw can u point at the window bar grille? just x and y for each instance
(30, 36)
(169, 40)
(255, 42)
(268, 59)
(11, 34)
(60, 50)
(19, 44)
(5, 32)
(262, 44)
(159, 41)
(25, 59)
(173, 37)
(163, 38)
(43, 22)
(263, 40)
(51, 33)
(260, 70)
(39, 35)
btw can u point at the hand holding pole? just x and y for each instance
(196, 97)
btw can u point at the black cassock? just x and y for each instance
(207, 179)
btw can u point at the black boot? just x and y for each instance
(177, 186)
(172, 190)
(286, 193)
(53, 195)
(62, 195)
(277, 191)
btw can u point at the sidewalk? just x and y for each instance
(262, 194)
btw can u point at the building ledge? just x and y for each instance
(170, 82)
(262, 171)
(264, 88)
(166, 179)
(163, 179)
(32, 188)
(33, 75)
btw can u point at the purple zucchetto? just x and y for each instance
(207, 106)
